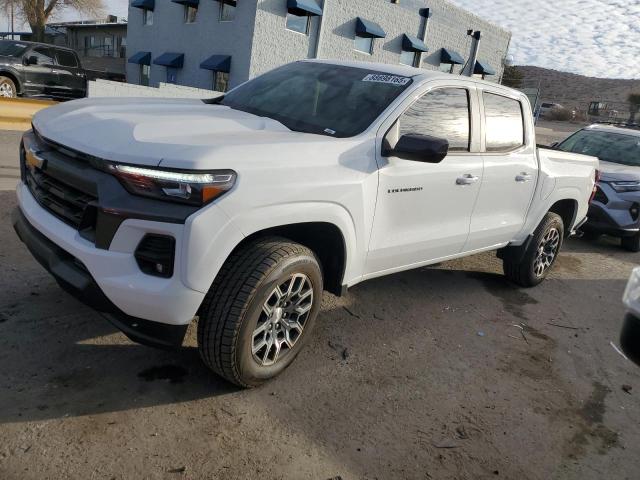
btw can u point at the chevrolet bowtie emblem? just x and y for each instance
(33, 159)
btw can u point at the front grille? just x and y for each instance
(600, 196)
(64, 201)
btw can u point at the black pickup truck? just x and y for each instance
(40, 70)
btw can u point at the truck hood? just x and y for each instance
(612, 172)
(178, 133)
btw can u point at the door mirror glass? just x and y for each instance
(419, 148)
(31, 60)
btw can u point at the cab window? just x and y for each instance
(43, 54)
(504, 123)
(442, 113)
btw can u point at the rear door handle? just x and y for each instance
(523, 177)
(467, 179)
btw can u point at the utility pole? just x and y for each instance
(12, 28)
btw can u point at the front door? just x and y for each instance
(423, 211)
(510, 172)
(40, 76)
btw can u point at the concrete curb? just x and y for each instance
(16, 113)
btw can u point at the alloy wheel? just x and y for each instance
(547, 252)
(282, 319)
(6, 90)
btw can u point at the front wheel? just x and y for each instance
(260, 310)
(7, 88)
(532, 266)
(631, 243)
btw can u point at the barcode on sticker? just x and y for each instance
(391, 79)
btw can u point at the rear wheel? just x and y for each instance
(260, 310)
(7, 88)
(531, 267)
(631, 243)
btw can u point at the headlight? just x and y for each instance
(621, 187)
(194, 188)
(631, 296)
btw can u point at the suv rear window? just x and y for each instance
(66, 59)
(504, 123)
(607, 146)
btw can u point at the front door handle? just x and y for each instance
(467, 179)
(523, 177)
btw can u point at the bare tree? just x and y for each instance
(38, 12)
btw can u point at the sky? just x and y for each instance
(599, 38)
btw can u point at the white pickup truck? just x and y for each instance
(316, 176)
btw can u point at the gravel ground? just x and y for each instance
(419, 375)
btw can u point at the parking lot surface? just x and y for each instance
(446, 372)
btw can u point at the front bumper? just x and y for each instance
(74, 278)
(610, 213)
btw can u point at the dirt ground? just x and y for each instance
(419, 375)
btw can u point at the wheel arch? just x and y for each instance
(325, 239)
(567, 209)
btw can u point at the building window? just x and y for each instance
(107, 50)
(298, 23)
(364, 44)
(147, 17)
(172, 75)
(446, 67)
(190, 14)
(220, 81)
(145, 74)
(408, 58)
(227, 11)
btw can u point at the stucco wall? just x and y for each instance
(198, 41)
(258, 40)
(273, 45)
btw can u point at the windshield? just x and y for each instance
(12, 49)
(319, 98)
(607, 146)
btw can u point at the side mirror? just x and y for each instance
(419, 148)
(31, 60)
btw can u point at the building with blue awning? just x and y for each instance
(221, 43)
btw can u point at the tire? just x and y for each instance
(7, 88)
(234, 320)
(632, 243)
(531, 267)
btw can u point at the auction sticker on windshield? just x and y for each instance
(391, 79)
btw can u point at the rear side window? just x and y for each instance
(442, 113)
(66, 59)
(504, 123)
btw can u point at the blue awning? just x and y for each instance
(217, 63)
(483, 68)
(367, 28)
(141, 58)
(189, 3)
(170, 59)
(413, 44)
(233, 3)
(451, 56)
(303, 7)
(144, 4)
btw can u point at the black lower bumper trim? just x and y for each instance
(74, 278)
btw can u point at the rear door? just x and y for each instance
(424, 209)
(510, 169)
(71, 77)
(40, 77)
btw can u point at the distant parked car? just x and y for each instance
(615, 209)
(546, 108)
(40, 70)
